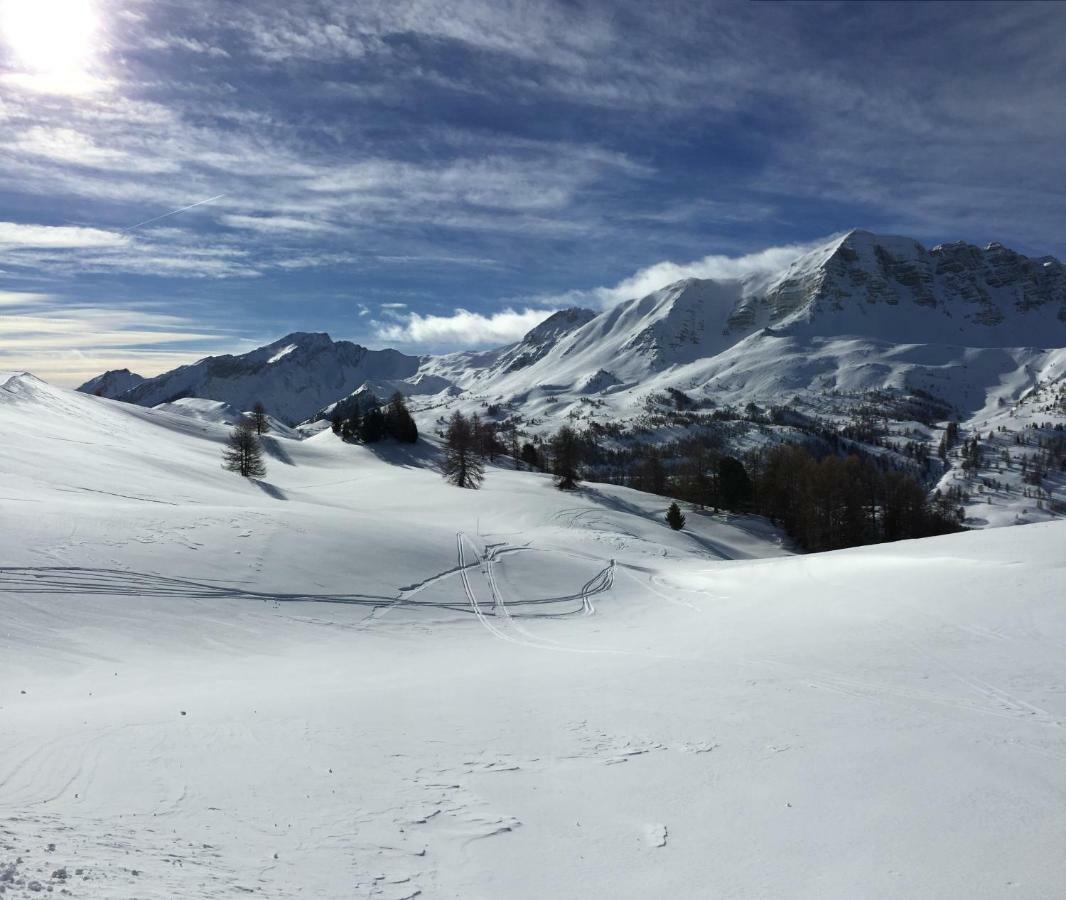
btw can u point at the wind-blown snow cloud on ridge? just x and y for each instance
(717, 267)
(462, 329)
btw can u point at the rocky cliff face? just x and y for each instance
(983, 287)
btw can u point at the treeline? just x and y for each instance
(835, 502)
(366, 420)
(824, 502)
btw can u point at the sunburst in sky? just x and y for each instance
(205, 175)
(55, 42)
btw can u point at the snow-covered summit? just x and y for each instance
(112, 384)
(892, 288)
(859, 312)
(293, 377)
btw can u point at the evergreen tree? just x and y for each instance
(461, 465)
(734, 485)
(373, 426)
(259, 418)
(566, 458)
(530, 456)
(675, 518)
(398, 421)
(510, 437)
(243, 453)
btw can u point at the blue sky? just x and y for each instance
(437, 174)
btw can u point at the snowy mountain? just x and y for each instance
(351, 679)
(849, 314)
(859, 313)
(293, 377)
(112, 384)
(861, 325)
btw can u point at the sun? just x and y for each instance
(54, 38)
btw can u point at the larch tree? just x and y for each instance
(566, 458)
(243, 453)
(462, 465)
(259, 419)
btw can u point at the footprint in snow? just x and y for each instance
(655, 835)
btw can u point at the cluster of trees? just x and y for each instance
(469, 442)
(366, 421)
(835, 502)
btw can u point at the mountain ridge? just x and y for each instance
(851, 313)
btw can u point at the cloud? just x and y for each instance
(181, 42)
(17, 235)
(715, 266)
(274, 224)
(462, 328)
(22, 298)
(68, 344)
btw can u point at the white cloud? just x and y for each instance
(273, 224)
(22, 298)
(462, 328)
(467, 330)
(66, 145)
(715, 266)
(180, 42)
(70, 344)
(16, 234)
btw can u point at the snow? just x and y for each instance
(355, 680)
(293, 377)
(284, 351)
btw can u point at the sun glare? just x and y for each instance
(51, 38)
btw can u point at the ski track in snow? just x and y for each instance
(202, 700)
(514, 632)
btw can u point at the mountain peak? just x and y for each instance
(112, 384)
(294, 376)
(559, 323)
(303, 339)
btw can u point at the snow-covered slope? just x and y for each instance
(861, 312)
(845, 330)
(354, 680)
(293, 377)
(112, 383)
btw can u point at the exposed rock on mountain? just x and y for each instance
(112, 384)
(293, 377)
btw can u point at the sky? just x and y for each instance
(441, 174)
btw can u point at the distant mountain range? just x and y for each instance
(972, 326)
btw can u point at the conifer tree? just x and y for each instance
(259, 419)
(734, 485)
(530, 456)
(675, 518)
(372, 428)
(461, 464)
(566, 458)
(398, 421)
(243, 453)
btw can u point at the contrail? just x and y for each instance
(174, 212)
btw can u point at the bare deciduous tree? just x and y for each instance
(243, 454)
(461, 465)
